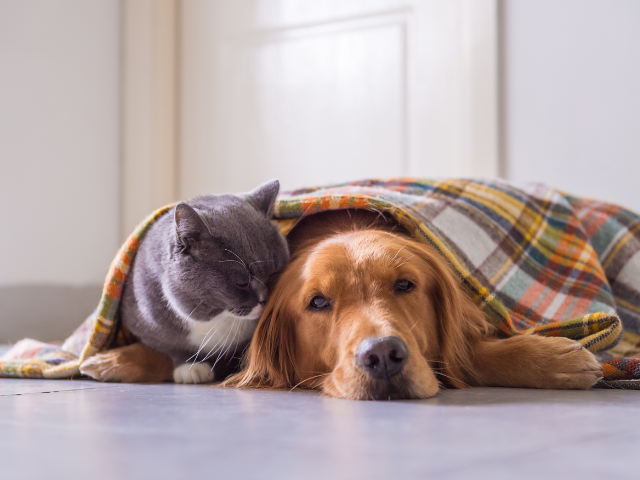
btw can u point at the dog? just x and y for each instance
(363, 311)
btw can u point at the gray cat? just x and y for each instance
(198, 282)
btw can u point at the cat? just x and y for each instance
(198, 284)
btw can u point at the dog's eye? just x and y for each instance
(404, 286)
(319, 303)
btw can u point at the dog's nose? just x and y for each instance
(382, 357)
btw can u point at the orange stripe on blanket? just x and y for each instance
(325, 203)
(118, 275)
(308, 204)
(133, 244)
(114, 290)
(344, 202)
(126, 258)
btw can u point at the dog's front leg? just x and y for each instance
(535, 362)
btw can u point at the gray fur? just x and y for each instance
(206, 256)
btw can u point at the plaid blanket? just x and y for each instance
(537, 261)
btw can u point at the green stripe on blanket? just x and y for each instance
(536, 260)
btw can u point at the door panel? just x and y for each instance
(324, 91)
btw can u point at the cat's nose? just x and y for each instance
(260, 290)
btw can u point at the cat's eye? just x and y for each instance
(242, 284)
(403, 286)
(319, 303)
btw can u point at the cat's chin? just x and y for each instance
(246, 313)
(223, 330)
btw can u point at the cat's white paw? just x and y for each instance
(193, 373)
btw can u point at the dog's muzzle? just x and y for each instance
(382, 358)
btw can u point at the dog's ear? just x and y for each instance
(269, 361)
(460, 323)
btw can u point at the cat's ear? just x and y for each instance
(263, 198)
(189, 226)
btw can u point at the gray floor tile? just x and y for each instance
(181, 431)
(16, 386)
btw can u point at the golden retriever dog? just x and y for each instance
(365, 312)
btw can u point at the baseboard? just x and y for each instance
(44, 312)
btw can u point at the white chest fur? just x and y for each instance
(221, 333)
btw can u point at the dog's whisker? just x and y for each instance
(307, 379)
(454, 379)
(448, 364)
(398, 252)
(398, 266)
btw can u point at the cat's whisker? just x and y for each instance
(194, 309)
(259, 281)
(261, 261)
(214, 349)
(258, 261)
(232, 253)
(224, 345)
(304, 214)
(235, 261)
(235, 342)
(236, 330)
(205, 340)
(218, 327)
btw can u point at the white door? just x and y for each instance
(323, 91)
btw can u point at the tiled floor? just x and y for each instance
(83, 429)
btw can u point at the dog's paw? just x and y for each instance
(193, 373)
(570, 365)
(109, 367)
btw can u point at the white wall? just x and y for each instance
(59, 140)
(572, 99)
(59, 162)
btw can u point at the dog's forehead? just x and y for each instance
(352, 251)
